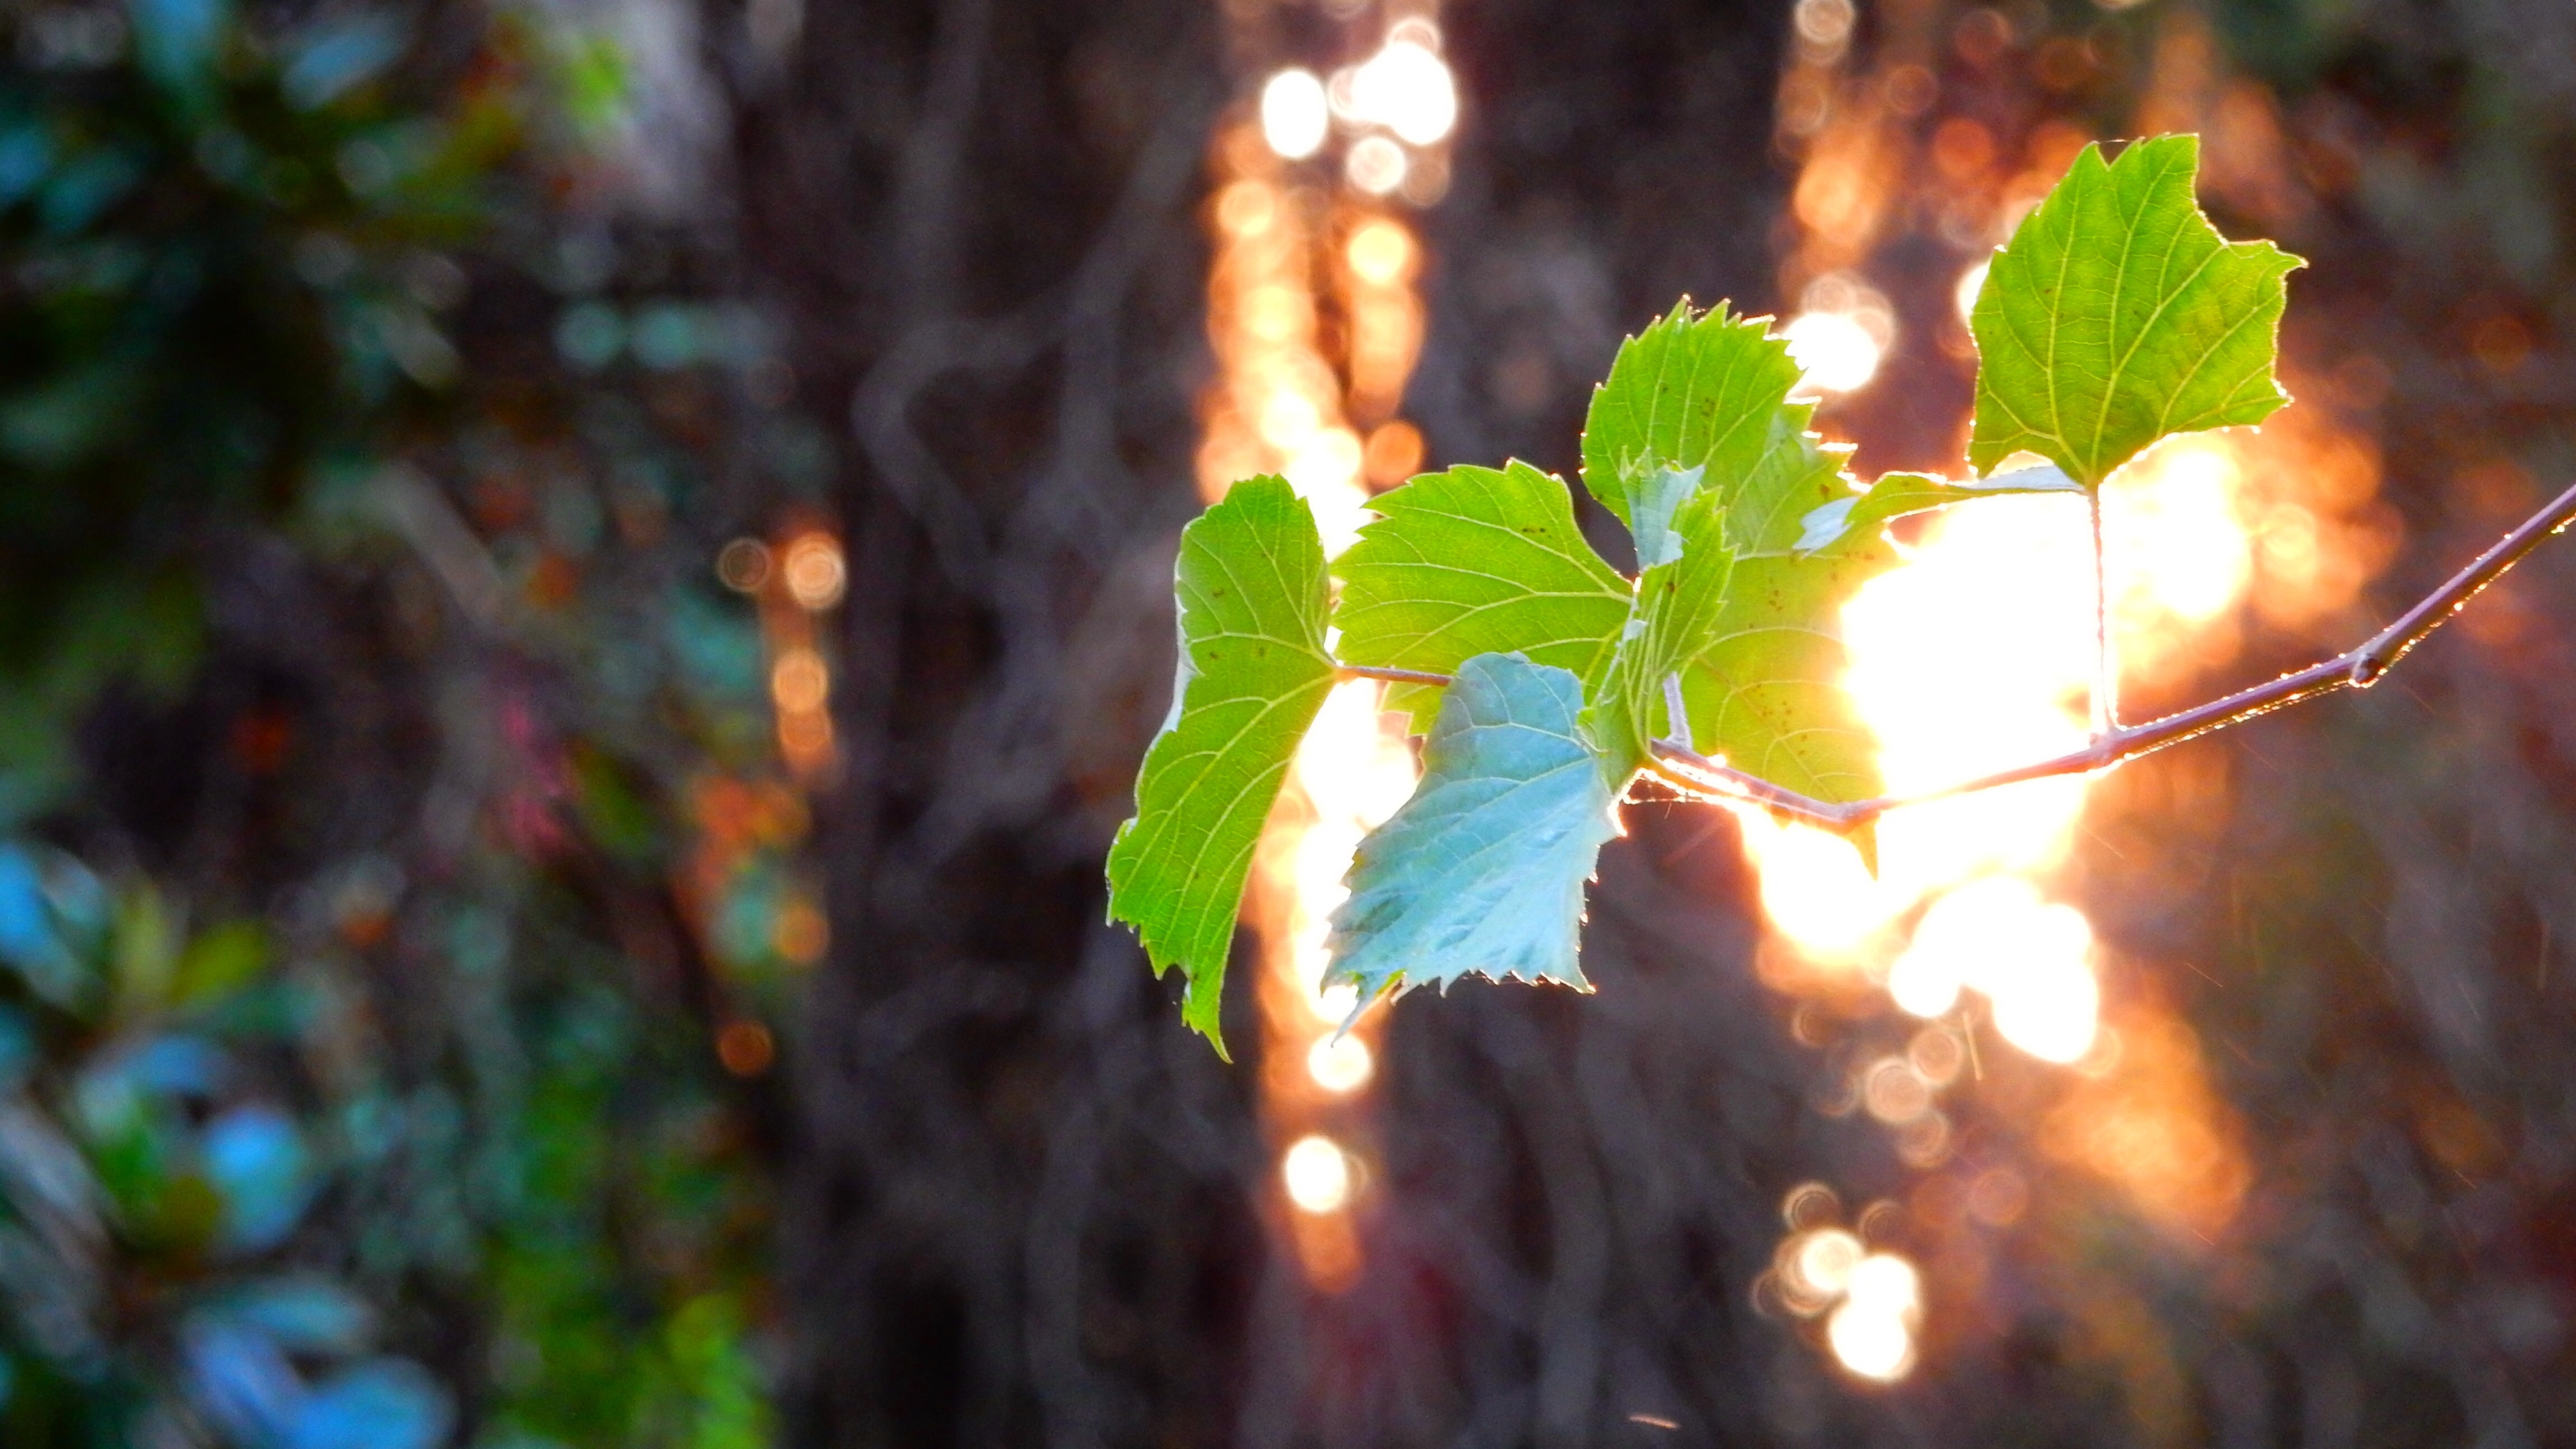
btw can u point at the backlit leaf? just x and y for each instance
(1751, 625)
(1476, 561)
(1482, 870)
(1691, 391)
(1253, 673)
(2118, 315)
(1764, 690)
(1677, 609)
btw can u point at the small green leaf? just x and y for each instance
(1483, 868)
(2118, 315)
(1895, 495)
(1653, 494)
(1675, 617)
(1691, 391)
(1475, 561)
(1751, 625)
(1253, 673)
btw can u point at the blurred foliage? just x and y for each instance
(357, 455)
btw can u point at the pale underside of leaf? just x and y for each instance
(1653, 493)
(1482, 870)
(2117, 315)
(1476, 561)
(1251, 588)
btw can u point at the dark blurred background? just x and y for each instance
(582, 582)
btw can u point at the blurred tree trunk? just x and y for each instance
(1025, 1203)
(1027, 1208)
(1017, 1212)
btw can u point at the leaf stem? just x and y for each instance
(2106, 669)
(1398, 676)
(2356, 668)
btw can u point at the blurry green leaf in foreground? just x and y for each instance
(1253, 673)
(1476, 561)
(1483, 869)
(2118, 315)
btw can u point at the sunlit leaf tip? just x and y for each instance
(2118, 315)
(1253, 674)
(1697, 390)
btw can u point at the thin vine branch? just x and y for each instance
(2357, 668)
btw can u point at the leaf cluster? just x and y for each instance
(1545, 678)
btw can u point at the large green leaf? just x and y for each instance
(1476, 561)
(1253, 673)
(1483, 868)
(1691, 391)
(2118, 315)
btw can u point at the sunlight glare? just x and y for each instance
(1375, 165)
(1340, 1063)
(1870, 1343)
(1317, 1174)
(1971, 282)
(1294, 117)
(1833, 349)
(1407, 89)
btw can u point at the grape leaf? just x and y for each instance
(1476, 561)
(1674, 618)
(1748, 618)
(1764, 690)
(1483, 868)
(1253, 673)
(1694, 606)
(1691, 391)
(2117, 315)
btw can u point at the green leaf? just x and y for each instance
(1253, 673)
(1674, 619)
(1765, 691)
(2118, 315)
(1691, 391)
(1796, 472)
(1653, 495)
(1483, 868)
(220, 961)
(1895, 495)
(1684, 610)
(1750, 623)
(1475, 561)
